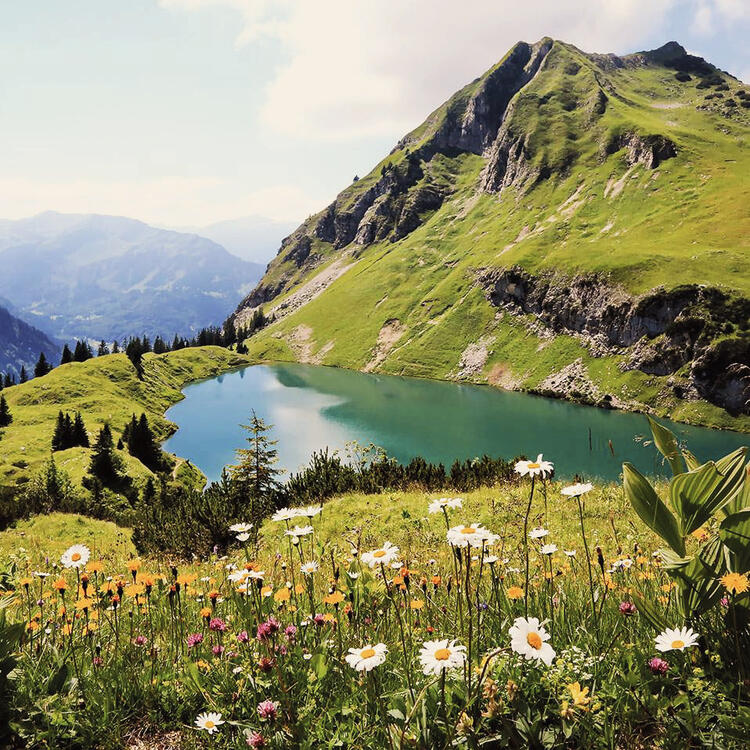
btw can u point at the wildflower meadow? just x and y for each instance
(494, 634)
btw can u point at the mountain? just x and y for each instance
(252, 238)
(571, 224)
(21, 344)
(108, 277)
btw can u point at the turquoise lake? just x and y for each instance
(312, 407)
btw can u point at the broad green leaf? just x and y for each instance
(698, 581)
(649, 613)
(666, 444)
(693, 496)
(735, 533)
(651, 509)
(58, 679)
(738, 477)
(690, 460)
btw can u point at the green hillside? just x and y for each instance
(105, 390)
(571, 224)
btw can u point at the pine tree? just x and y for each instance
(5, 416)
(105, 465)
(67, 355)
(82, 351)
(142, 443)
(254, 475)
(42, 366)
(59, 438)
(23, 377)
(79, 435)
(115, 347)
(9, 380)
(103, 349)
(2, 382)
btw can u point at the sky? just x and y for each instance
(187, 112)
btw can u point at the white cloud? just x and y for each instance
(357, 69)
(168, 200)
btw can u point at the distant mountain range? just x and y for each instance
(252, 238)
(109, 277)
(21, 344)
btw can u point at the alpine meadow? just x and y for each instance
(454, 536)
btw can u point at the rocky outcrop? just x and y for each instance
(661, 332)
(649, 150)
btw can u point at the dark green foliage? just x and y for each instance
(159, 346)
(328, 475)
(683, 77)
(142, 444)
(10, 640)
(5, 416)
(106, 465)
(82, 352)
(187, 522)
(42, 366)
(103, 349)
(135, 349)
(23, 377)
(115, 347)
(9, 380)
(69, 432)
(67, 355)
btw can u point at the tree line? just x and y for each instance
(136, 346)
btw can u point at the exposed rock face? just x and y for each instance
(661, 332)
(649, 150)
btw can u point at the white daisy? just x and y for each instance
(209, 722)
(299, 531)
(309, 511)
(576, 490)
(383, 556)
(570, 552)
(676, 640)
(436, 656)
(538, 533)
(256, 574)
(76, 556)
(534, 468)
(243, 537)
(285, 514)
(436, 506)
(240, 528)
(238, 576)
(491, 559)
(548, 549)
(474, 535)
(309, 568)
(528, 638)
(366, 658)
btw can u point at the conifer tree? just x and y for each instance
(79, 434)
(115, 347)
(254, 474)
(23, 377)
(103, 349)
(82, 351)
(5, 416)
(59, 437)
(42, 366)
(9, 380)
(106, 465)
(67, 355)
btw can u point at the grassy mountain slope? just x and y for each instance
(507, 238)
(103, 389)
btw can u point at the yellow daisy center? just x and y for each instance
(534, 466)
(678, 644)
(443, 654)
(75, 557)
(209, 724)
(367, 653)
(379, 553)
(534, 640)
(468, 530)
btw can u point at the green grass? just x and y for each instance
(103, 389)
(684, 222)
(49, 536)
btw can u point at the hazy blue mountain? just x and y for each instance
(21, 343)
(110, 277)
(253, 238)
